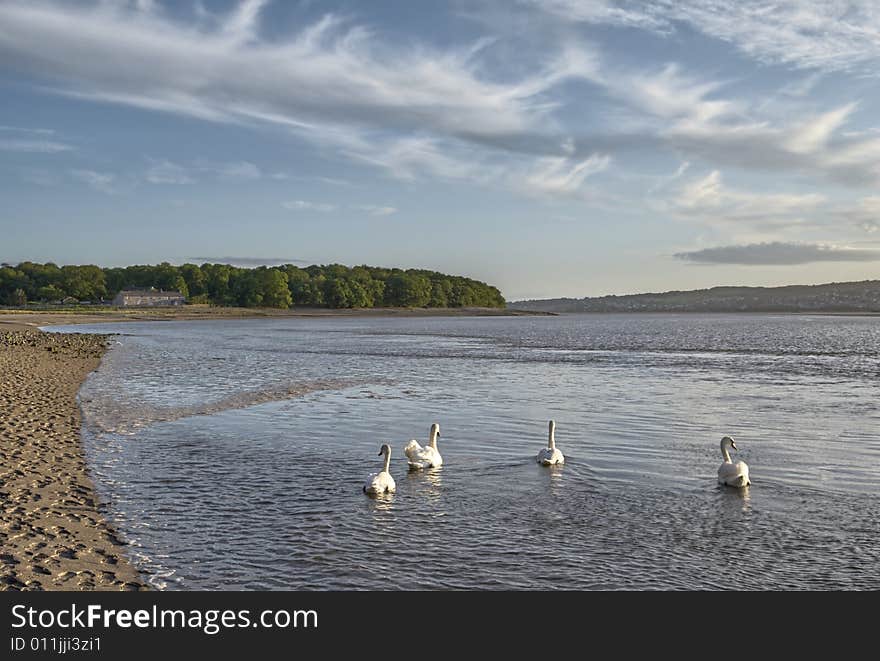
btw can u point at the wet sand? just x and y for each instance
(52, 535)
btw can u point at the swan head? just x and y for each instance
(385, 449)
(552, 426)
(728, 442)
(435, 429)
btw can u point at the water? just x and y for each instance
(232, 453)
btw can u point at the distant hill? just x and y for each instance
(833, 297)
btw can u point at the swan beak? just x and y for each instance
(733, 445)
(380, 453)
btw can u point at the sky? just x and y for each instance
(549, 147)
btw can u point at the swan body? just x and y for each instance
(379, 483)
(733, 474)
(550, 455)
(424, 457)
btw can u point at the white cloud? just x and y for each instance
(304, 205)
(865, 214)
(241, 171)
(418, 111)
(409, 108)
(375, 210)
(20, 129)
(687, 115)
(709, 200)
(328, 73)
(557, 175)
(166, 172)
(811, 34)
(323, 207)
(33, 146)
(812, 135)
(30, 140)
(100, 181)
(601, 11)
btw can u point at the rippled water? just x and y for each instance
(232, 453)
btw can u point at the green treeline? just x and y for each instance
(331, 286)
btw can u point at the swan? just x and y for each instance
(424, 457)
(379, 483)
(730, 473)
(551, 455)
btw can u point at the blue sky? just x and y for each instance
(553, 148)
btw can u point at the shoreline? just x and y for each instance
(36, 318)
(53, 534)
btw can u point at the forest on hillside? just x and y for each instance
(330, 286)
(861, 296)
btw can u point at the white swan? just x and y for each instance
(551, 455)
(424, 457)
(379, 483)
(730, 473)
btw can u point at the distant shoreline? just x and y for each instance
(35, 318)
(26, 319)
(836, 298)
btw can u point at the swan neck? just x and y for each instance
(552, 439)
(726, 454)
(433, 440)
(387, 461)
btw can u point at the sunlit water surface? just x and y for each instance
(231, 454)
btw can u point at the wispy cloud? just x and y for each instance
(305, 205)
(410, 108)
(329, 73)
(33, 146)
(163, 171)
(240, 171)
(247, 261)
(324, 207)
(31, 140)
(100, 181)
(21, 129)
(166, 172)
(690, 116)
(779, 254)
(864, 214)
(708, 199)
(375, 210)
(559, 175)
(809, 34)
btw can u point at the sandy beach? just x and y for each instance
(51, 532)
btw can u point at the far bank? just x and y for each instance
(84, 315)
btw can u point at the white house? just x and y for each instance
(148, 297)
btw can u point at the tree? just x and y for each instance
(408, 290)
(196, 282)
(273, 285)
(217, 283)
(18, 298)
(245, 288)
(83, 282)
(441, 292)
(50, 293)
(333, 285)
(337, 293)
